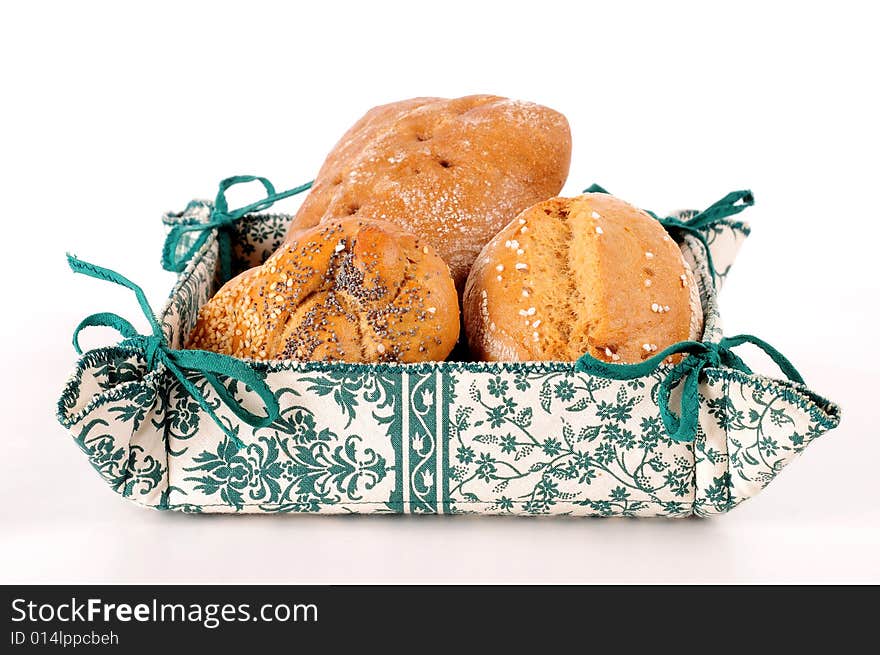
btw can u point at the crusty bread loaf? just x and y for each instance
(574, 275)
(349, 290)
(451, 171)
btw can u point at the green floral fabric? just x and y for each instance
(445, 438)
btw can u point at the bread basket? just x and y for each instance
(171, 430)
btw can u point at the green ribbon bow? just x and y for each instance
(222, 219)
(731, 204)
(156, 351)
(700, 355)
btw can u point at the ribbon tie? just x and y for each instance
(222, 219)
(700, 355)
(178, 362)
(731, 204)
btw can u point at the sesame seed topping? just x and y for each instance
(522, 221)
(523, 229)
(498, 277)
(595, 215)
(646, 347)
(649, 255)
(279, 298)
(655, 307)
(339, 246)
(599, 230)
(432, 309)
(531, 311)
(520, 266)
(615, 357)
(380, 348)
(647, 283)
(535, 335)
(520, 251)
(525, 293)
(608, 352)
(507, 244)
(665, 308)
(523, 312)
(499, 268)
(425, 250)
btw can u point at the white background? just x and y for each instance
(112, 115)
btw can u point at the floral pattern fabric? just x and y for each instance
(447, 438)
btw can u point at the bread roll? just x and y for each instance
(452, 171)
(574, 275)
(349, 290)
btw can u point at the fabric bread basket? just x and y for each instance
(174, 429)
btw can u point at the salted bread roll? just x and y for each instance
(574, 275)
(452, 171)
(349, 290)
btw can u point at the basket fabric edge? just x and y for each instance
(139, 473)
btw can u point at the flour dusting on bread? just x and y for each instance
(451, 171)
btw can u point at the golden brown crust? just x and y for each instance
(573, 275)
(452, 171)
(349, 290)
